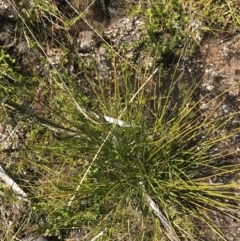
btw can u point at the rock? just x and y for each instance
(125, 32)
(209, 87)
(87, 40)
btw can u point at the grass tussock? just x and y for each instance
(115, 158)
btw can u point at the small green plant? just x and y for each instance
(6, 63)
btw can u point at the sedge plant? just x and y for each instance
(128, 162)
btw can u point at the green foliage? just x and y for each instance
(167, 21)
(173, 23)
(6, 63)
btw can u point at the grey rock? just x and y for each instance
(125, 32)
(87, 40)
